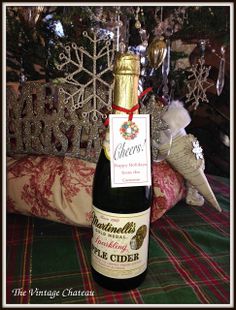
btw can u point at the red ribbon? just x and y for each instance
(106, 122)
(147, 90)
(129, 111)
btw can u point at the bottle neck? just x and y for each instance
(126, 71)
(126, 92)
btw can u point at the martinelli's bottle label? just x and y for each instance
(120, 243)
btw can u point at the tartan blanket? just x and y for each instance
(189, 259)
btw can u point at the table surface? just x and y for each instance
(189, 259)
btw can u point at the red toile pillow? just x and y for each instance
(60, 189)
(168, 188)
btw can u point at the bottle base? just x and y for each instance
(118, 284)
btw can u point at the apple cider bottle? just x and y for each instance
(121, 215)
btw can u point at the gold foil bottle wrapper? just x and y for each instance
(127, 64)
(126, 71)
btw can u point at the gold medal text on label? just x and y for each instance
(120, 243)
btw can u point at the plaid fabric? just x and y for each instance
(188, 259)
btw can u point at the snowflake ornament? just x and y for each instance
(90, 89)
(197, 150)
(200, 84)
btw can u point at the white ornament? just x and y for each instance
(96, 93)
(197, 150)
(193, 197)
(197, 91)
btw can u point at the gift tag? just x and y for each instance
(130, 150)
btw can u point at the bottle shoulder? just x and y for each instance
(119, 200)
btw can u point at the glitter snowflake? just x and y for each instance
(90, 88)
(197, 89)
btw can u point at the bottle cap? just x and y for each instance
(127, 64)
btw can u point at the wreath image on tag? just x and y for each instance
(129, 130)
